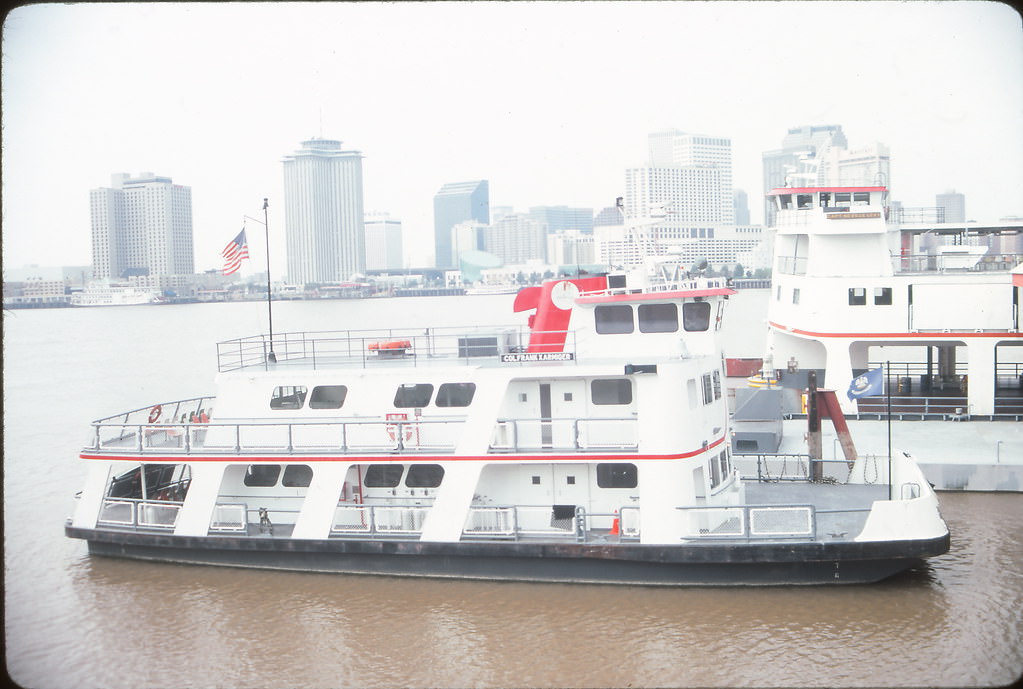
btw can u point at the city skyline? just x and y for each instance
(941, 84)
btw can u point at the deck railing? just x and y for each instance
(366, 348)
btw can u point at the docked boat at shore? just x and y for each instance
(106, 293)
(590, 444)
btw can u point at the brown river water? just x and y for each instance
(72, 620)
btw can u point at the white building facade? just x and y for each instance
(324, 222)
(141, 225)
(383, 242)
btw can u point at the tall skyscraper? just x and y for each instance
(453, 204)
(954, 205)
(141, 226)
(516, 238)
(692, 172)
(383, 242)
(324, 225)
(563, 218)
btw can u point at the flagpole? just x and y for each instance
(271, 357)
(888, 395)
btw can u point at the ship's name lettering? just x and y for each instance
(537, 356)
(853, 216)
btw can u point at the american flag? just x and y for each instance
(234, 252)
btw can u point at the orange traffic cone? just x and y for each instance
(614, 526)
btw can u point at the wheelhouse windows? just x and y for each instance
(658, 318)
(328, 397)
(413, 395)
(613, 319)
(424, 476)
(696, 316)
(297, 476)
(883, 296)
(455, 394)
(716, 376)
(611, 391)
(708, 389)
(617, 475)
(383, 475)
(262, 475)
(288, 397)
(857, 296)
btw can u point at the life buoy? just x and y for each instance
(154, 413)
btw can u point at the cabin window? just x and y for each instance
(725, 468)
(297, 476)
(857, 296)
(717, 384)
(785, 201)
(328, 397)
(883, 296)
(691, 388)
(715, 472)
(383, 475)
(455, 394)
(861, 198)
(611, 391)
(696, 316)
(617, 475)
(658, 318)
(795, 295)
(413, 395)
(708, 389)
(424, 476)
(262, 475)
(613, 319)
(843, 197)
(288, 397)
(804, 200)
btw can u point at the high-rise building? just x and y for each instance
(692, 173)
(563, 218)
(141, 226)
(790, 165)
(324, 224)
(453, 204)
(516, 238)
(740, 204)
(383, 242)
(954, 205)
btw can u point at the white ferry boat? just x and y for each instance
(590, 445)
(854, 288)
(100, 293)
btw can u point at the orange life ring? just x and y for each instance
(154, 413)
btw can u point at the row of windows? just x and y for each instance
(406, 396)
(618, 319)
(857, 296)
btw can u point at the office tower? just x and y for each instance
(692, 173)
(324, 223)
(740, 204)
(611, 216)
(954, 205)
(563, 218)
(141, 226)
(516, 238)
(453, 204)
(383, 242)
(795, 163)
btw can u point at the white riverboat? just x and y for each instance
(855, 287)
(589, 445)
(105, 293)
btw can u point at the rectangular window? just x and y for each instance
(696, 316)
(455, 394)
(861, 198)
(328, 397)
(715, 472)
(611, 391)
(658, 318)
(288, 397)
(691, 388)
(795, 295)
(617, 475)
(843, 197)
(383, 475)
(883, 296)
(297, 476)
(413, 395)
(613, 319)
(262, 475)
(424, 476)
(708, 389)
(857, 296)
(717, 385)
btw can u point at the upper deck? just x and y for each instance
(669, 318)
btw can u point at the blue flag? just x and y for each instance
(870, 383)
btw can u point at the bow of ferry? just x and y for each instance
(590, 445)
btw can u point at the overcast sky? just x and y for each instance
(550, 102)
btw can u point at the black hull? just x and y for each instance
(701, 564)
